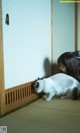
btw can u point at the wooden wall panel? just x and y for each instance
(76, 26)
(2, 92)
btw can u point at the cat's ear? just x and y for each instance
(38, 78)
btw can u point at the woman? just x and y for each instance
(70, 64)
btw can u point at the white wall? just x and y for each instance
(79, 26)
(27, 48)
(63, 28)
(27, 43)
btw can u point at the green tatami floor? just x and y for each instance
(56, 116)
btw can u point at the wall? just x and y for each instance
(27, 44)
(63, 28)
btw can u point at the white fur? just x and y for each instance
(57, 84)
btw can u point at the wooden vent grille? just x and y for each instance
(18, 96)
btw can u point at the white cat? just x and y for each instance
(57, 84)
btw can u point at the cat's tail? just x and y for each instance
(75, 93)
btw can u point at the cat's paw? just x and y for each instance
(44, 96)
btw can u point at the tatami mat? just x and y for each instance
(56, 116)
